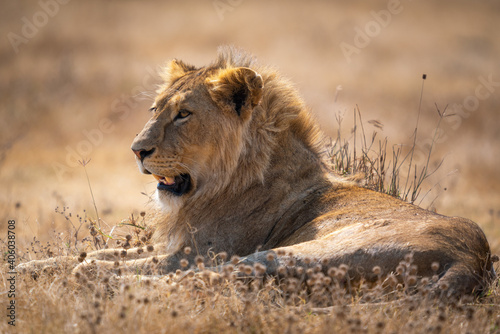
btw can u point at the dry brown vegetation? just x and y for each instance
(95, 61)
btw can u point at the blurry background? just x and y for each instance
(77, 78)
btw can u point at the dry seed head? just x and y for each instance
(140, 251)
(215, 279)
(307, 260)
(412, 280)
(376, 270)
(187, 250)
(128, 237)
(184, 263)
(413, 269)
(291, 262)
(443, 286)
(409, 258)
(123, 253)
(260, 269)
(282, 270)
(435, 266)
(435, 278)
(299, 270)
(280, 252)
(247, 270)
(270, 257)
(340, 274)
(144, 239)
(155, 260)
(317, 268)
(332, 271)
(198, 259)
(235, 259)
(344, 267)
(223, 256)
(83, 255)
(400, 269)
(142, 213)
(150, 248)
(116, 264)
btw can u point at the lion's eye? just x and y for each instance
(152, 109)
(183, 113)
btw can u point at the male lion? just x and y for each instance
(238, 164)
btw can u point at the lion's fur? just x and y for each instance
(275, 124)
(258, 180)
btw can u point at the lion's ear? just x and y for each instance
(174, 70)
(237, 88)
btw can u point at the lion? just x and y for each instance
(240, 169)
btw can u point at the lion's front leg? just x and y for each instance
(48, 266)
(153, 265)
(68, 263)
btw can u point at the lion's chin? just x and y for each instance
(167, 203)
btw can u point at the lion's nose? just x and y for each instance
(142, 154)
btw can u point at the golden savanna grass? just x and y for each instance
(94, 61)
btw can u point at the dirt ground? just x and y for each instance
(77, 78)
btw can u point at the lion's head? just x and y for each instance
(212, 128)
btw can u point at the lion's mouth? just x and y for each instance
(178, 185)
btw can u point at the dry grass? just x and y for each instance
(303, 299)
(70, 76)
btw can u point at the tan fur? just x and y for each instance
(258, 180)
